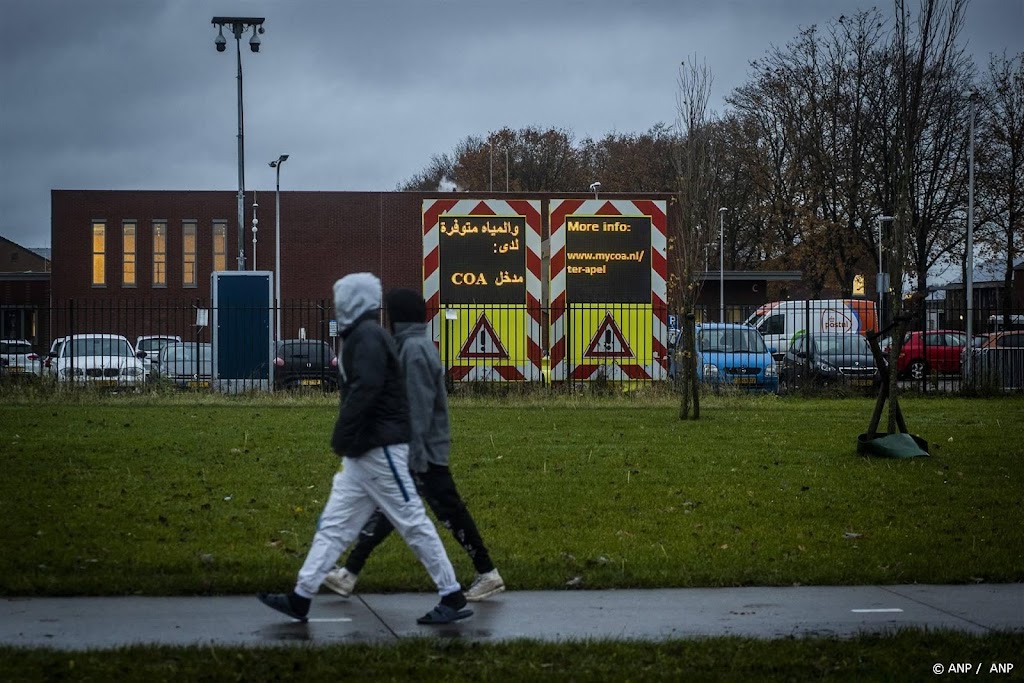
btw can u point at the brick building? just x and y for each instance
(24, 294)
(140, 262)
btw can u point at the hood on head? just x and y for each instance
(405, 306)
(354, 296)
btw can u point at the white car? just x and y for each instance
(17, 359)
(98, 360)
(152, 344)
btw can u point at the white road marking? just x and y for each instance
(323, 621)
(874, 611)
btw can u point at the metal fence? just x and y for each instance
(575, 346)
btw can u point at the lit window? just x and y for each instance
(99, 254)
(188, 252)
(128, 254)
(159, 253)
(220, 245)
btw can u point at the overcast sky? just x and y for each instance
(131, 94)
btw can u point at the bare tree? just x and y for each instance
(925, 48)
(1000, 163)
(694, 218)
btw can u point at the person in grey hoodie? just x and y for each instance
(371, 435)
(428, 454)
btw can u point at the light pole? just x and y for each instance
(881, 282)
(277, 244)
(969, 274)
(238, 26)
(721, 263)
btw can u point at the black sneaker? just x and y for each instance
(295, 606)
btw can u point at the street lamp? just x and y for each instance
(882, 281)
(277, 242)
(238, 26)
(721, 263)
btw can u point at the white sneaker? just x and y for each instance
(484, 586)
(341, 581)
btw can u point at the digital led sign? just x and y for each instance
(608, 259)
(482, 259)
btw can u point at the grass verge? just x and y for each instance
(904, 656)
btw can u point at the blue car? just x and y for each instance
(734, 354)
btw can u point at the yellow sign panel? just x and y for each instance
(484, 335)
(610, 333)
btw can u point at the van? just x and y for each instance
(780, 322)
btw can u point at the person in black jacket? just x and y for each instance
(372, 435)
(428, 454)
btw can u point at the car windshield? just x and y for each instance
(732, 340)
(100, 346)
(313, 351)
(152, 345)
(847, 345)
(15, 347)
(187, 353)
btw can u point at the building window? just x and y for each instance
(128, 229)
(188, 253)
(159, 253)
(220, 245)
(99, 254)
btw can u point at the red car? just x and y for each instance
(931, 351)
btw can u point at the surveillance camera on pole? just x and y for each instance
(594, 187)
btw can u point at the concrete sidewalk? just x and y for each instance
(97, 623)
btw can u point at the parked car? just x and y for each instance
(305, 363)
(99, 360)
(733, 354)
(18, 360)
(998, 362)
(780, 322)
(830, 360)
(930, 351)
(151, 345)
(185, 365)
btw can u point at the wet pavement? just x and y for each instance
(99, 623)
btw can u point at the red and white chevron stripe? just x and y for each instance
(559, 210)
(433, 209)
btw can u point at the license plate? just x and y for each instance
(105, 383)
(198, 385)
(744, 380)
(14, 369)
(310, 382)
(862, 382)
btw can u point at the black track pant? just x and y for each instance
(437, 488)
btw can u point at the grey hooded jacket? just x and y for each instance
(374, 409)
(430, 440)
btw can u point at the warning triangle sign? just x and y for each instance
(483, 342)
(608, 342)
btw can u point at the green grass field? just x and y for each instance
(187, 495)
(170, 496)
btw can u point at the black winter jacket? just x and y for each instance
(374, 408)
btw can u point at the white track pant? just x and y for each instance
(377, 479)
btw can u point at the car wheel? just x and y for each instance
(917, 370)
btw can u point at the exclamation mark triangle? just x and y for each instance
(483, 342)
(608, 342)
